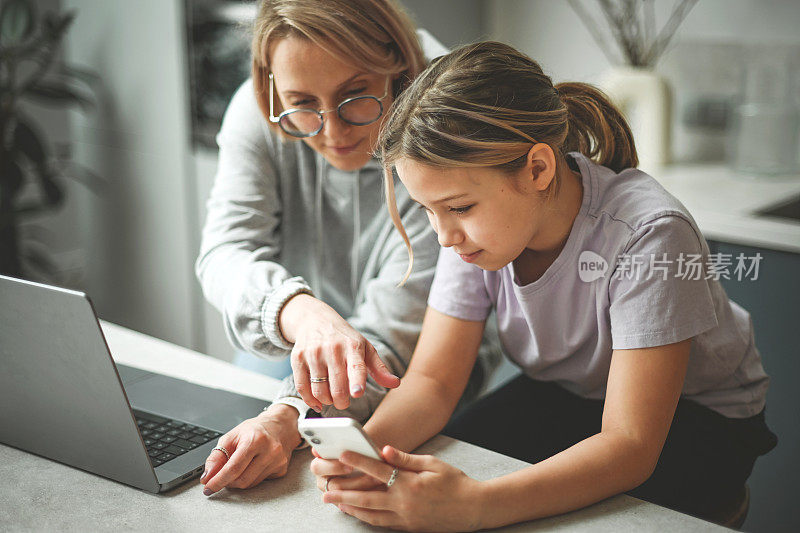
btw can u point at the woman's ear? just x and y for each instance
(540, 168)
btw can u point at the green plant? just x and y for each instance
(30, 173)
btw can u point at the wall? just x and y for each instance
(138, 235)
(551, 33)
(214, 341)
(704, 64)
(453, 22)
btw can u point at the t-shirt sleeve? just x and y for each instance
(459, 289)
(658, 291)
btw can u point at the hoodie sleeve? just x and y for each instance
(237, 266)
(390, 317)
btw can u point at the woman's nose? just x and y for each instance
(334, 127)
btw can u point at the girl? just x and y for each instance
(636, 377)
(298, 253)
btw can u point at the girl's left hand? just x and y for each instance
(427, 495)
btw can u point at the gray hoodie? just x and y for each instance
(281, 218)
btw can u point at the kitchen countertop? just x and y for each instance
(42, 495)
(724, 203)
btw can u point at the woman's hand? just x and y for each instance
(427, 495)
(259, 448)
(327, 347)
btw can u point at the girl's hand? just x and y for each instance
(427, 495)
(335, 475)
(327, 347)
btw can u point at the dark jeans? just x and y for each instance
(705, 461)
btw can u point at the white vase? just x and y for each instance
(644, 98)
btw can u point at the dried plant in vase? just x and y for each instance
(632, 25)
(640, 93)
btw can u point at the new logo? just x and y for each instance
(591, 266)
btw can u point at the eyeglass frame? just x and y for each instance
(338, 109)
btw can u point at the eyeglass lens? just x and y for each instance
(301, 123)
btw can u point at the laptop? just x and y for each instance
(62, 396)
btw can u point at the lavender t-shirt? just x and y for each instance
(635, 273)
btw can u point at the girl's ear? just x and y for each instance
(540, 168)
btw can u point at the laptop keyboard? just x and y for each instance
(166, 439)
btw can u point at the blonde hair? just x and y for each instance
(485, 105)
(375, 36)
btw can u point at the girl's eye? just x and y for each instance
(420, 206)
(301, 103)
(461, 210)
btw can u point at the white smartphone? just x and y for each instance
(331, 437)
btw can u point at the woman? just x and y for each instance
(637, 376)
(298, 253)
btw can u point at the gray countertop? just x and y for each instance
(725, 204)
(38, 494)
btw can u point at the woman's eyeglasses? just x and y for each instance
(300, 122)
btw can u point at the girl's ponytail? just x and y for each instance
(596, 128)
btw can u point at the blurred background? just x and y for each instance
(133, 133)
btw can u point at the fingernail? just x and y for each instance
(356, 389)
(203, 477)
(208, 492)
(318, 409)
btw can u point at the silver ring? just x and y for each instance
(393, 478)
(223, 450)
(327, 480)
(319, 380)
